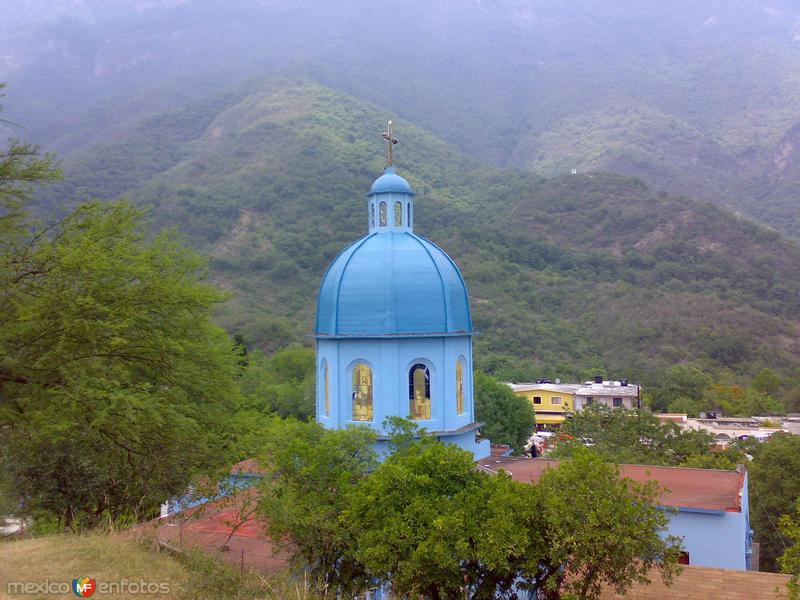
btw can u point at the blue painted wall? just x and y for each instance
(390, 360)
(716, 539)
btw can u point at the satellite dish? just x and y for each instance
(558, 380)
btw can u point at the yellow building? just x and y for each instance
(550, 401)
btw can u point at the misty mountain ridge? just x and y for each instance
(696, 99)
(566, 275)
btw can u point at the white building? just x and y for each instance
(614, 394)
(729, 429)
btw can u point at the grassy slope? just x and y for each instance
(113, 557)
(566, 275)
(105, 558)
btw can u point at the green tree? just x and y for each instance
(283, 384)
(710, 461)
(309, 472)
(791, 400)
(756, 402)
(410, 520)
(727, 398)
(637, 436)
(688, 406)
(790, 560)
(598, 530)
(22, 168)
(774, 489)
(508, 418)
(680, 381)
(115, 386)
(500, 521)
(767, 382)
(430, 524)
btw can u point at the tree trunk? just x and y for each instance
(554, 594)
(69, 516)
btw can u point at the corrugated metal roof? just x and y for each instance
(392, 283)
(695, 489)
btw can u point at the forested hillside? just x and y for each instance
(697, 99)
(566, 275)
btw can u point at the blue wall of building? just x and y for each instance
(716, 539)
(712, 539)
(390, 360)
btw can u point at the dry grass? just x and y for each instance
(103, 557)
(114, 557)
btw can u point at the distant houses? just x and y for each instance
(554, 402)
(614, 394)
(709, 509)
(731, 429)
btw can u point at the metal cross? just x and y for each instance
(390, 141)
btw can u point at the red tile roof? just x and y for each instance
(207, 527)
(698, 489)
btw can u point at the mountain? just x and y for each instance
(566, 275)
(697, 99)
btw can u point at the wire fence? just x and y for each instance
(243, 559)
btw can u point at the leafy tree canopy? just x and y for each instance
(775, 490)
(610, 537)
(283, 384)
(623, 436)
(410, 520)
(790, 560)
(115, 386)
(426, 521)
(767, 382)
(687, 389)
(508, 418)
(679, 381)
(309, 471)
(430, 524)
(735, 400)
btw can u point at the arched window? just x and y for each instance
(459, 387)
(408, 220)
(372, 214)
(419, 392)
(398, 214)
(362, 393)
(383, 210)
(326, 390)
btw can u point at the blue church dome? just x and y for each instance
(390, 182)
(393, 331)
(392, 283)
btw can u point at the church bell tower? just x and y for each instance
(393, 329)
